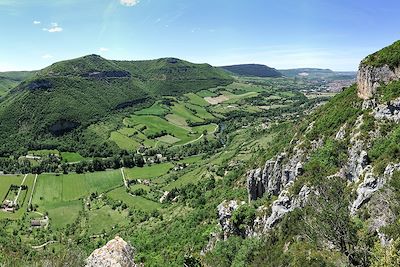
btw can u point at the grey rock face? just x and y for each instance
(365, 190)
(284, 204)
(389, 111)
(341, 133)
(357, 162)
(371, 184)
(369, 78)
(357, 155)
(225, 211)
(275, 175)
(116, 253)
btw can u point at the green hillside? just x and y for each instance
(171, 76)
(252, 70)
(389, 55)
(70, 95)
(9, 80)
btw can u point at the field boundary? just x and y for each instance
(123, 177)
(20, 188)
(33, 190)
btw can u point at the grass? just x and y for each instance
(62, 213)
(135, 202)
(156, 124)
(200, 111)
(181, 110)
(53, 188)
(192, 159)
(123, 141)
(61, 195)
(168, 139)
(148, 172)
(71, 157)
(156, 109)
(177, 120)
(104, 218)
(190, 177)
(234, 98)
(196, 100)
(206, 93)
(243, 87)
(5, 182)
(140, 186)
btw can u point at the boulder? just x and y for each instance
(116, 253)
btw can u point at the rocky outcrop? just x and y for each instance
(116, 253)
(279, 208)
(39, 84)
(369, 78)
(388, 111)
(371, 184)
(275, 174)
(225, 211)
(107, 74)
(357, 155)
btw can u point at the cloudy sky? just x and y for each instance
(334, 34)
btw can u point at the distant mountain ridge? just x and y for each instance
(317, 73)
(253, 70)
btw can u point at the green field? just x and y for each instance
(61, 195)
(71, 157)
(62, 213)
(156, 109)
(195, 99)
(181, 110)
(5, 182)
(168, 139)
(104, 218)
(156, 124)
(123, 141)
(50, 187)
(135, 202)
(148, 172)
(206, 93)
(200, 111)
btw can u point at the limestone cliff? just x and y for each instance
(369, 78)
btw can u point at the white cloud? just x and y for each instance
(104, 49)
(36, 22)
(47, 56)
(54, 28)
(129, 2)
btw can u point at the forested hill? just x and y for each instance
(9, 80)
(252, 70)
(75, 93)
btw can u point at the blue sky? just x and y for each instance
(334, 34)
